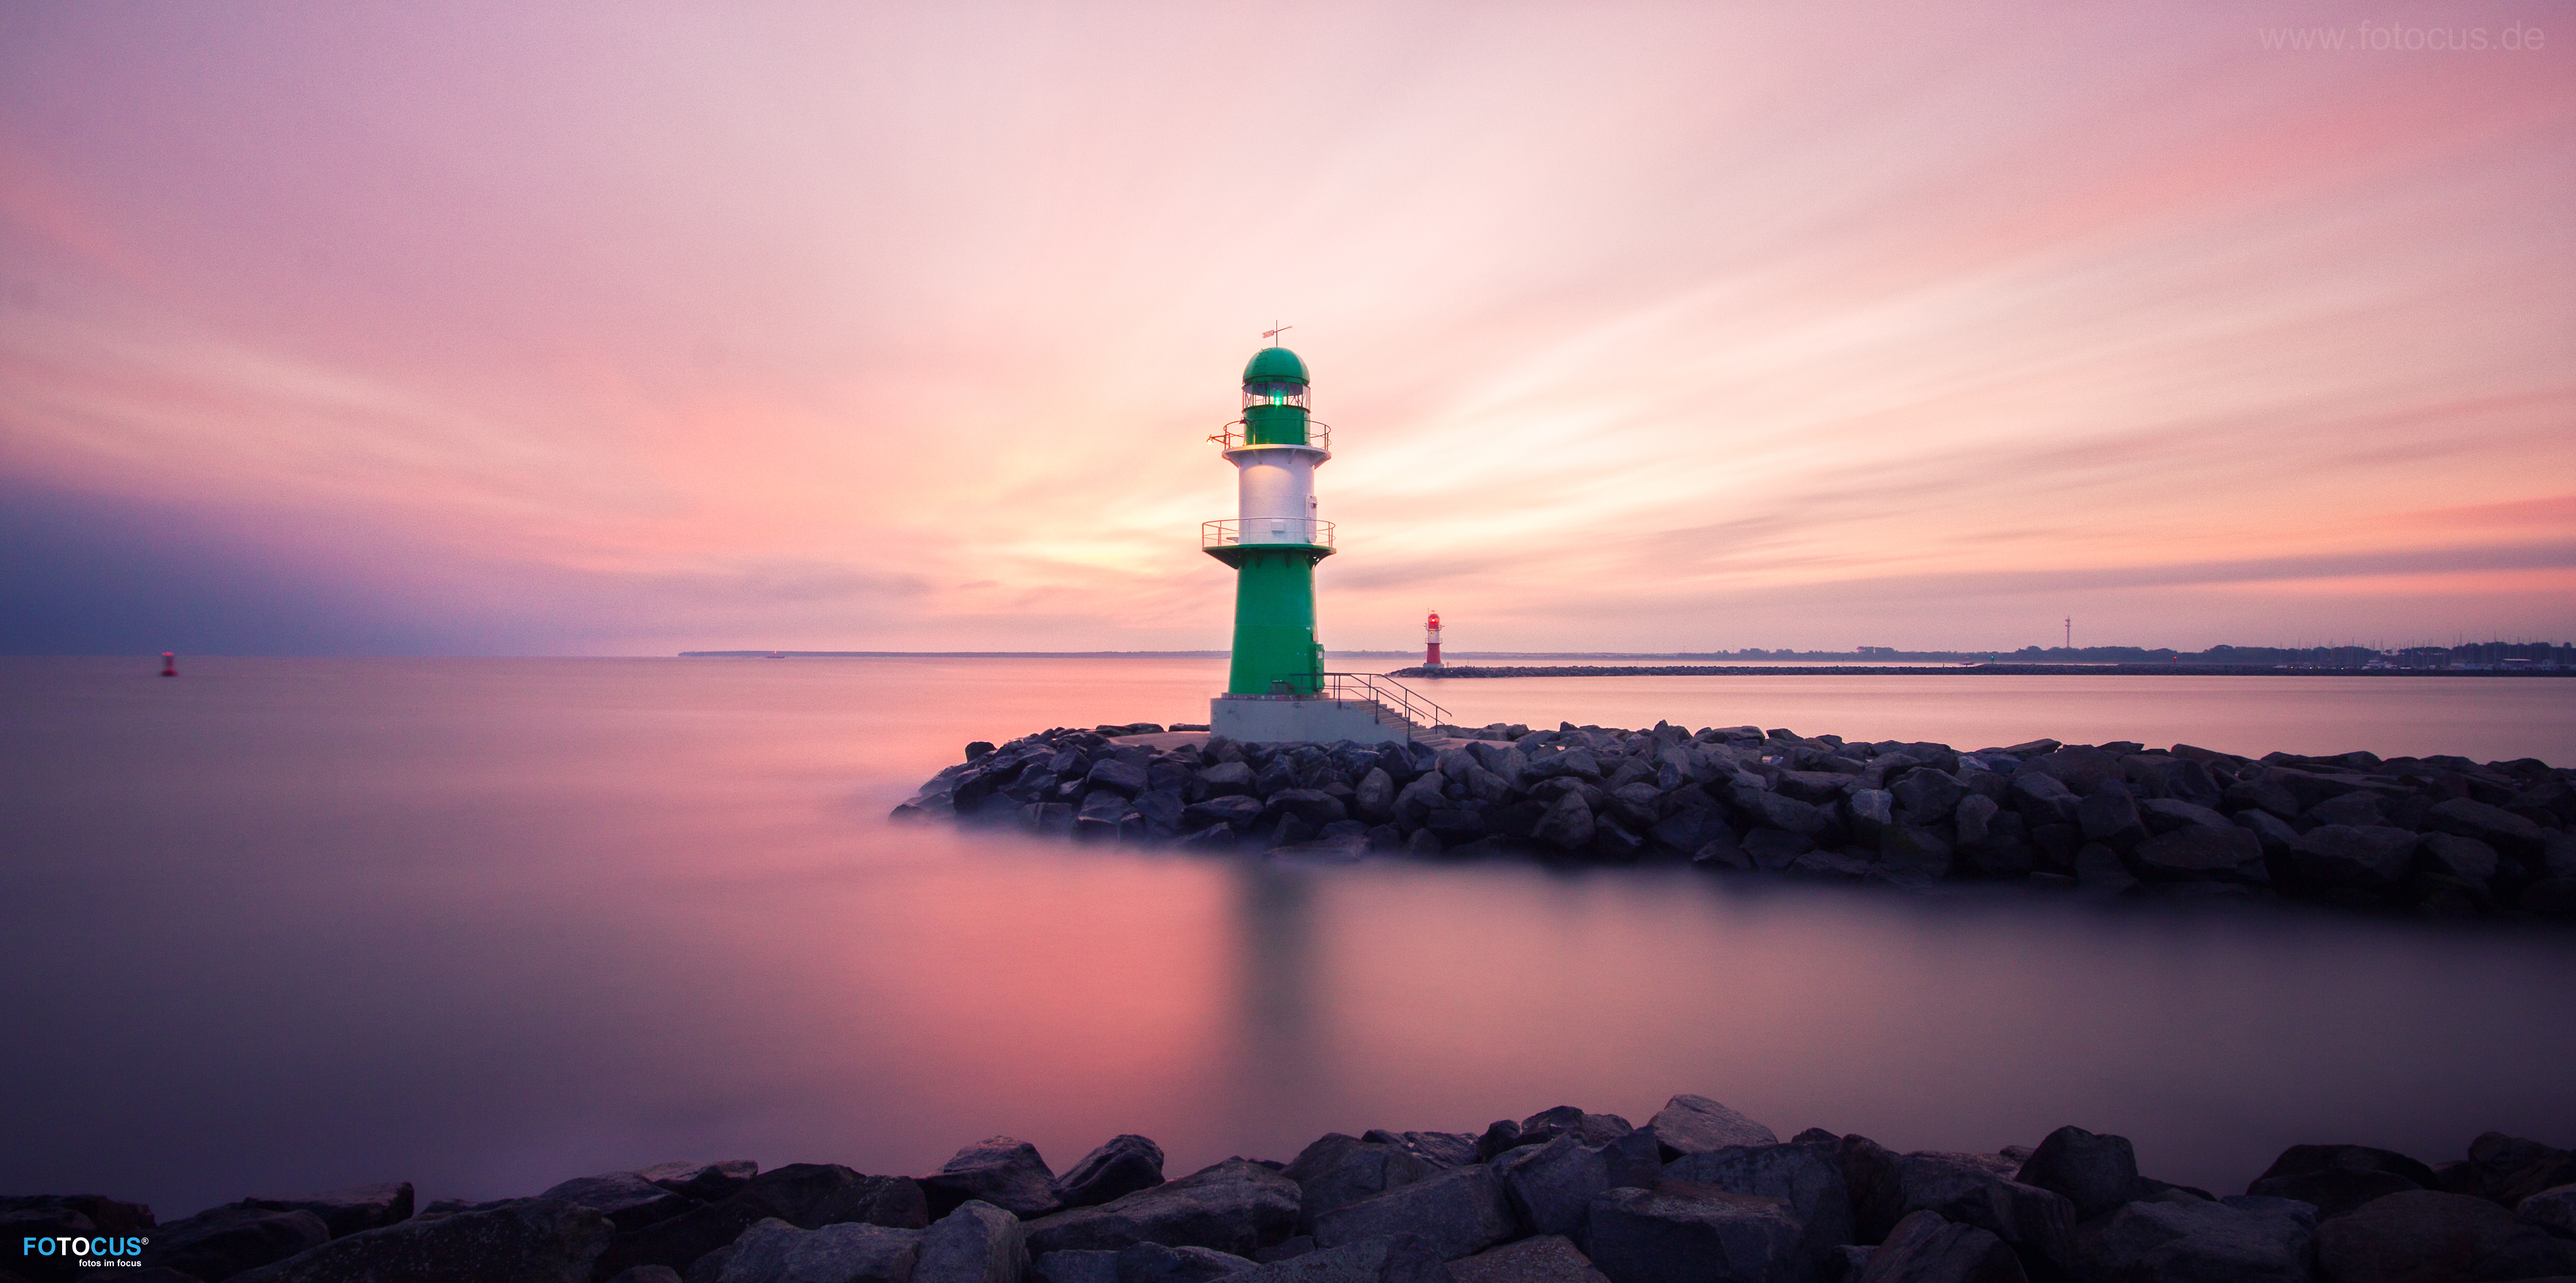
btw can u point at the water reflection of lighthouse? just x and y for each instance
(1431, 643)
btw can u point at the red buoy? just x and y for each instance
(169, 664)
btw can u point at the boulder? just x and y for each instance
(1236, 1206)
(2042, 799)
(2080, 769)
(2109, 815)
(1808, 1177)
(2419, 1235)
(2038, 1224)
(1550, 1186)
(2551, 1209)
(220, 1242)
(2507, 1169)
(1974, 821)
(2272, 831)
(705, 1182)
(1923, 1248)
(348, 1211)
(1123, 1166)
(1548, 1258)
(1591, 1129)
(1314, 806)
(2336, 1179)
(773, 1251)
(2467, 859)
(2095, 1173)
(2200, 854)
(1338, 1170)
(1915, 850)
(635, 1274)
(1001, 1171)
(1926, 796)
(2239, 1240)
(2508, 833)
(1075, 1267)
(2164, 815)
(977, 1243)
(1871, 811)
(1235, 811)
(1155, 1263)
(627, 1199)
(1225, 779)
(1461, 1211)
(1117, 777)
(2359, 809)
(522, 1240)
(1679, 1231)
(2370, 860)
(1374, 799)
(1404, 1258)
(1763, 809)
(805, 1195)
(1877, 1187)
(1567, 825)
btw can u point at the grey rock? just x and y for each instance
(1236, 811)
(1374, 799)
(1075, 1267)
(648, 1274)
(2200, 854)
(1871, 811)
(1808, 1177)
(2042, 799)
(1235, 1206)
(2109, 815)
(221, 1242)
(1916, 850)
(977, 1243)
(2164, 815)
(2467, 859)
(1460, 1211)
(2038, 1224)
(1567, 825)
(1314, 806)
(1550, 1186)
(1403, 1258)
(1419, 799)
(2080, 769)
(2252, 1240)
(1548, 1258)
(1926, 796)
(2370, 860)
(805, 1195)
(1770, 810)
(1591, 1129)
(1225, 779)
(2358, 809)
(1001, 1171)
(525, 1240)
(2418, 1235)
(1973, 820)
(2273, 832)
(1117, 777)
(348, 1211)
(1155, 1263)
(1829, 866)
(2508, 833)
(627, 1199)
(1680, 1231)
(1123, 1166)
(2336, 1179)
(2553, 1209)
(1338, 1170)
(1923, 1248)
(705, 1182)
(2096, 1173)
(773, 1251)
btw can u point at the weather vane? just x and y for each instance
(1273, 335)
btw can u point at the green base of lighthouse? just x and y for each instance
(1275, 650)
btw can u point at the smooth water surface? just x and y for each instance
(280, 925)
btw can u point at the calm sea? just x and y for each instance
(280, 925)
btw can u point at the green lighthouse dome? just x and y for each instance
(1274, 365)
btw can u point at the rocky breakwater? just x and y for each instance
(1699, 1194)
(2441, 836)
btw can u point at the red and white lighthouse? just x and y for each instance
(1431, 641)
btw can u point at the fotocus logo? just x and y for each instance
(86, 1250)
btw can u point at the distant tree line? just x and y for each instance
(2474, 654)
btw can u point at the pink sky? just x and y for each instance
(637, 327)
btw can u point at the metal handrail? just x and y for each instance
(1229, 532)
(1394, 696)
(1318, 434)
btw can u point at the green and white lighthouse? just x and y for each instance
(1277, 689)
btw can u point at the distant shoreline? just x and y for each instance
(1457, 671)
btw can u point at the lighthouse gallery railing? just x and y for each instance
(1229, 437)
(1279, 530)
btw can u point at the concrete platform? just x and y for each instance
(1301, 721)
